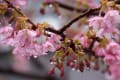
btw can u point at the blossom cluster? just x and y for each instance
(80, 52)
(28, 42)
(107, 27)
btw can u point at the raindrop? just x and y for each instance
(52, 62)
(35, 56)
(78, 70)
(50, 5)
(73, 69)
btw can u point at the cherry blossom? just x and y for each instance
(107, 25)
(112, 55)
(84, 40)
(20, 63)
(100, 40)
(24, 37)
(48, 1)
(19, 2)
(112, 18)
(54, 40)
(6, 32)
(26, 43)
(6, 35)
(99, 50)
(114, 72)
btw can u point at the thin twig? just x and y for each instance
(67, 7)
(72, 8)
(88, 12)
(12, 6)
(61, 31)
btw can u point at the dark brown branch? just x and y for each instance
(26, 75)
(68, 7)
(117, 1)
(72, 8)
(89, 50)
(61, 31)
(12, 6)
(77, 18)
(93, 42)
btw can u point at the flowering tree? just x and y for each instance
(86, 49)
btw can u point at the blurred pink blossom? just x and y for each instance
(99, 50)
(112, 55)
(27, 42)
(20, 2)
(107, 25)
(114, 72)
(20, 63)
(6, 35)
(6, 32)
(48, 1)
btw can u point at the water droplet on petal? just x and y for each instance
(35, 56)
(50, 5)
(73, 69)
(51, 62)
(78, 70)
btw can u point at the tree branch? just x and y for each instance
(26, 75)
(12, 6)
(61, 31)
(67, 7)
(88, 12)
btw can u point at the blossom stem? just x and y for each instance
(67, 7)
(77, 18)
(12, 6)
(61, 31)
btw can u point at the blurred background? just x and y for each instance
(19, 68)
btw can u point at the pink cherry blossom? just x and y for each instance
(96, 22)
(24, 37)
(23, 42)
(19, 2)
(54, 40)
(112, 55)
(99, 50)
(113, 48)
(28, 43)
(114, 72)
(84, 40)
(49, 46)
(6, 35)
(99, 25)
(48, 1)
(6, 32)
(107, 25)
(112, 18)
(20, 63)
(109, 59)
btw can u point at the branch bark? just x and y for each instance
(61, 31)
(25, 75)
